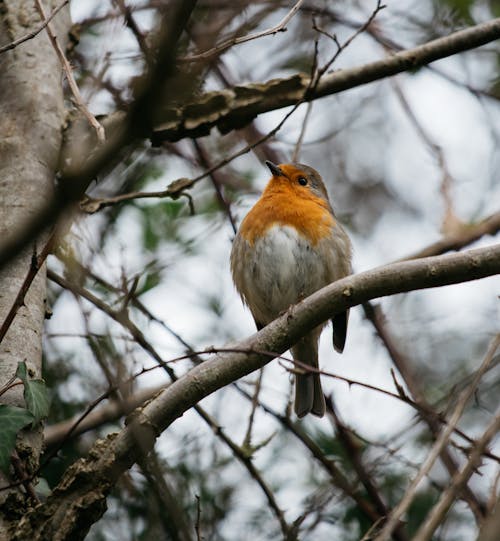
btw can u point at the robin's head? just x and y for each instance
(302, 178)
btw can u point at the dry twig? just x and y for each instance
(218, 49)
(69, 76)
(32, 34)
(438, 446)
(459, 480)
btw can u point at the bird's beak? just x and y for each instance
(275, 170)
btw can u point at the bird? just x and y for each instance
(289, 245)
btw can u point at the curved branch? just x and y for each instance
(231, 109)
(468, 234)
(86, 484)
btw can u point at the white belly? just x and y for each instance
(283, 268)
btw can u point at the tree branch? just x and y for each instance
(437, 448)
(114, 409)
(468, 234)
(228, 43)
(86, 484)
(231, 109)
(447, 498)
(33, 33)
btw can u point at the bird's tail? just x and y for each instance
(308, 392)
(339, 323)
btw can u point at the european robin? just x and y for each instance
(288, 246)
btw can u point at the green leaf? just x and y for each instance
(12, 419)
(37, 399)
(22, 371)
(36, 394)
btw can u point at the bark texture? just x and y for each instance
(32, 115)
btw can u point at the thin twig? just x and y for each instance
(456, 241)
(120, 316)
(349, 40)
(101, 136)
(246, 459)
(218, 49)
(247, 441)
(36, 264)
(197, 526)
(375, 315)
(31, 35)
(353, 452)
(169, 510)
(214, 177)
(373, 528)
(336, 475)
(298, 145)
(123, 319)
(9, 384)
(405, 60)
(177, 187)
(447, 498)
(451, 223)
(130, 22)
(438, 446)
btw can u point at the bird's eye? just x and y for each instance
(302, 181)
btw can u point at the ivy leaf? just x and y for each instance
(37, 399)
(12, 419)
(36, 394)
(22, 371)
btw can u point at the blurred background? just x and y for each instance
(407, 161)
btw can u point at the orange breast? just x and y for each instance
(285, 204)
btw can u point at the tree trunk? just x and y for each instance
(31, 120)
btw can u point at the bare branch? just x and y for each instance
(55, 434)
(170, 512)
(298, 144)
(37, 261)
(31, 35)
(86, 484)
(83, 423)
(438, 446)
(130, 21)
(491, 526)
(218, 49)
(468, 234)
(69, 76)
(353, 452)
(459, 480)
(233, 108)
(204, 159)
(431, 418)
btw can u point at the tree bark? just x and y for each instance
(32, 116)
